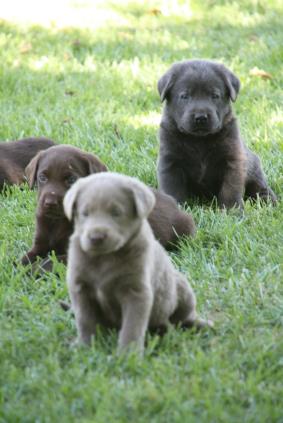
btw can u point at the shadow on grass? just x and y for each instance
(90, 88)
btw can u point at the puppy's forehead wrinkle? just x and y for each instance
(96, 197)
(57, 164)
(201, 82)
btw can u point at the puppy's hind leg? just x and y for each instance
(256, 185)
(185, 314)
(256, 190)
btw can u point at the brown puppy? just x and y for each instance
(201, 151)
(15, 156)
(54, 171)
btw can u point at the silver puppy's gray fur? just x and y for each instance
(118, 275)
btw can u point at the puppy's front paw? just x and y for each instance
(27, 259)
(203, 324)
(131, 348)
(198, 324)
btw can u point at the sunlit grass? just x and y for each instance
(85, 73)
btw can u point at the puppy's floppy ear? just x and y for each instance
(143, 197)
(31, 169)
(94, 164)
(165, 83)
(70, 198)
(231, 81)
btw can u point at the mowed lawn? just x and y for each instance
(85, 73)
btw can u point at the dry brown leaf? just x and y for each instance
(155, 12)
(254, 38)
(76, 43)
(25, 48)
(260, 73)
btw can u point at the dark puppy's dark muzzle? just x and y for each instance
(201, 123)
(200, 119)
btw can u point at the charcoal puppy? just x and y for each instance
(53, 172)
(201, 152)
(118, 274)
(15, 156)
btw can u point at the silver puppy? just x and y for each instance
(118, 274)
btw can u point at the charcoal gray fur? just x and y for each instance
(201, 151)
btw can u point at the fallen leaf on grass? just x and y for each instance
(76, 43)
(25, 48)
(254, 38)
(260, 73)
(155, 12)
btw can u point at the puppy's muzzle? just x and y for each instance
(97, 239)
(202, 123)
(200, 119)
(52, 204)
(100, 240)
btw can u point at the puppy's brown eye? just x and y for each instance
(42, 179)
(215, 96)
(116, 211)
(184, 96)
(85, 213)
(70, 180)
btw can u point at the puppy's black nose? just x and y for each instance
(97, 239)
(201, 118)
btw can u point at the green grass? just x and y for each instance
(93, 85)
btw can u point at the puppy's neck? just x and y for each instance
(53, 221)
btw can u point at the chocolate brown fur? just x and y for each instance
(53, 172)
(168, 222)
(15, 156)
(201, 151)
